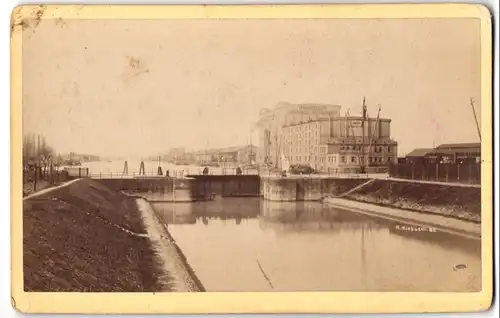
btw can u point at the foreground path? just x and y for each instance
(445, 224)
(453, 184)
(43, 191)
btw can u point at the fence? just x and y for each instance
(176, 173)
(37, 179)
(52, 176)
(442, 172)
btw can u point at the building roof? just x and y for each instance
(226, 149)
(448, 149)
(419, 152)
(343, 118)
(307, 104)
(303, 122)
(459, 145)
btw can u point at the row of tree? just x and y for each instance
(38, 154)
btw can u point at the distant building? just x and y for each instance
(232, 155)
(455, 153)
(418, 155)
(176, 154)
(79, 158)
(77, 171)
(401, 160)
(318, 136)
(271, 123)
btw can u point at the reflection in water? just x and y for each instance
(224, 209)
(310, 246)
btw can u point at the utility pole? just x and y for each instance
(373, 132)
(277, 149)
(363, 138)
(251, 148)
(475, 118)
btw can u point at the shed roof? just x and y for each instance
(460, 145)
(419, 152)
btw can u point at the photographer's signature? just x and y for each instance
(411, 228)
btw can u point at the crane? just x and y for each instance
(475, 118)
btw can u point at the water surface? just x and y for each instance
(249, 244)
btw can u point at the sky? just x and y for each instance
(124, 87)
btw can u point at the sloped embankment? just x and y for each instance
(460, 202)
(86, 237)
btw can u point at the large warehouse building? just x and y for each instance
(318, 136)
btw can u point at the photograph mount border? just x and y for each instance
(250, 302)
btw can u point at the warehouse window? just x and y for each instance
(342, 159)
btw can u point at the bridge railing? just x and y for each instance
(222, 171)
(229, 172)
(325, 175)
(176, 173)
(120, 175)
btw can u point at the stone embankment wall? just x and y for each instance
(225, 186)
(140, 185)
(455, 200)
(200, 187)
(306, 189)
(458, 201)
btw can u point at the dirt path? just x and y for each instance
(442, 223)
(183, 279)
(43, 191)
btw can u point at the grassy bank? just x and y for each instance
(448, 200)
(86, 237)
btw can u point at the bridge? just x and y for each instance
(200, 182)
(173, 173)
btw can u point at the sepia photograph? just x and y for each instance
(251, 154)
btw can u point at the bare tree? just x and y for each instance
(45, 155)
(58, 160)
(29, 150)
(37, 153)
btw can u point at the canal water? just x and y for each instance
(249, 244)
